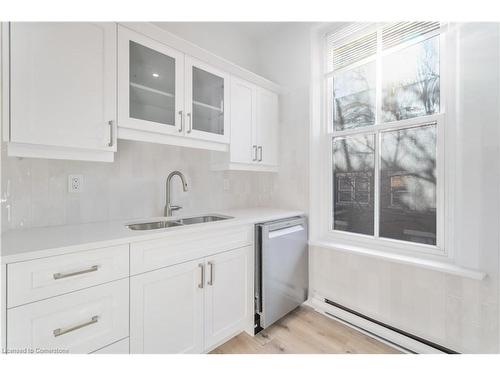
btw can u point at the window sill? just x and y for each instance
(433, 265)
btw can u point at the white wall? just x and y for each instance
(131, 187)
(453, 311)
(224, 39)
(284, 57)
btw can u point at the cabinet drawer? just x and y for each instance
(43, 278)
(78, 322)
(185, 246)
(120, 347)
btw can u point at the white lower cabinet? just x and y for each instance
(78, 322)
(227, 302)
(178, 296)
(192, 306)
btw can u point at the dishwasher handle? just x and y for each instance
(282, 224)
(284, 231)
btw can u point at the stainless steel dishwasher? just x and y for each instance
(281, 269)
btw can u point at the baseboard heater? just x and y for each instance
(387, 326)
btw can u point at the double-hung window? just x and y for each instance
(383, 86)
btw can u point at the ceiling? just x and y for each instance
(254, 31)
(258, 30)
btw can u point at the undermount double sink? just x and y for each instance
(161, 224)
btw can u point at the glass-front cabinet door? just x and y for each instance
(207, 98)
(150, 85)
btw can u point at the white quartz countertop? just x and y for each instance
(32, 243)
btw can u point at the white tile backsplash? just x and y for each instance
(131, 187)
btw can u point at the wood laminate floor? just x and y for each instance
(305, 331)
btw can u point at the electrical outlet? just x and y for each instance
(226, 184)
(75, 183)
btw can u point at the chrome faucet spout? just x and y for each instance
(168, 205)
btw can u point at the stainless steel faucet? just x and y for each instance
(168, 206)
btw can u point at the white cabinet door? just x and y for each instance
(267, 127)
(254, 129)
(166, 310)
(150, 84)
(228, 297)
(207, 99)
(63, 84)
(243, 147)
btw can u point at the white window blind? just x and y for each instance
(400, 32)
(354, 51)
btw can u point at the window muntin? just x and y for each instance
(400, 97)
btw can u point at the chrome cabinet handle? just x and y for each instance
(211, 280)
(63, 331)
(260, 153)
(110, 143)
(190, 127)
(202, 271)
(59, 275)
(181, 113)
(254, 153)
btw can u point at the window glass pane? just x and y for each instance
(354, 97)
(410, 81)
(353, 164)
(408, 185)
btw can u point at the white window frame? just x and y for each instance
(323, 212)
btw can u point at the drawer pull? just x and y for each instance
(63, 331)
(59, 275)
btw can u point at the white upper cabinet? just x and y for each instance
(165, 96)
(150, 84)
(254, 129)
(71, 90)
(207, 95)
(243, 148)
(62, 90)
(267, 127)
